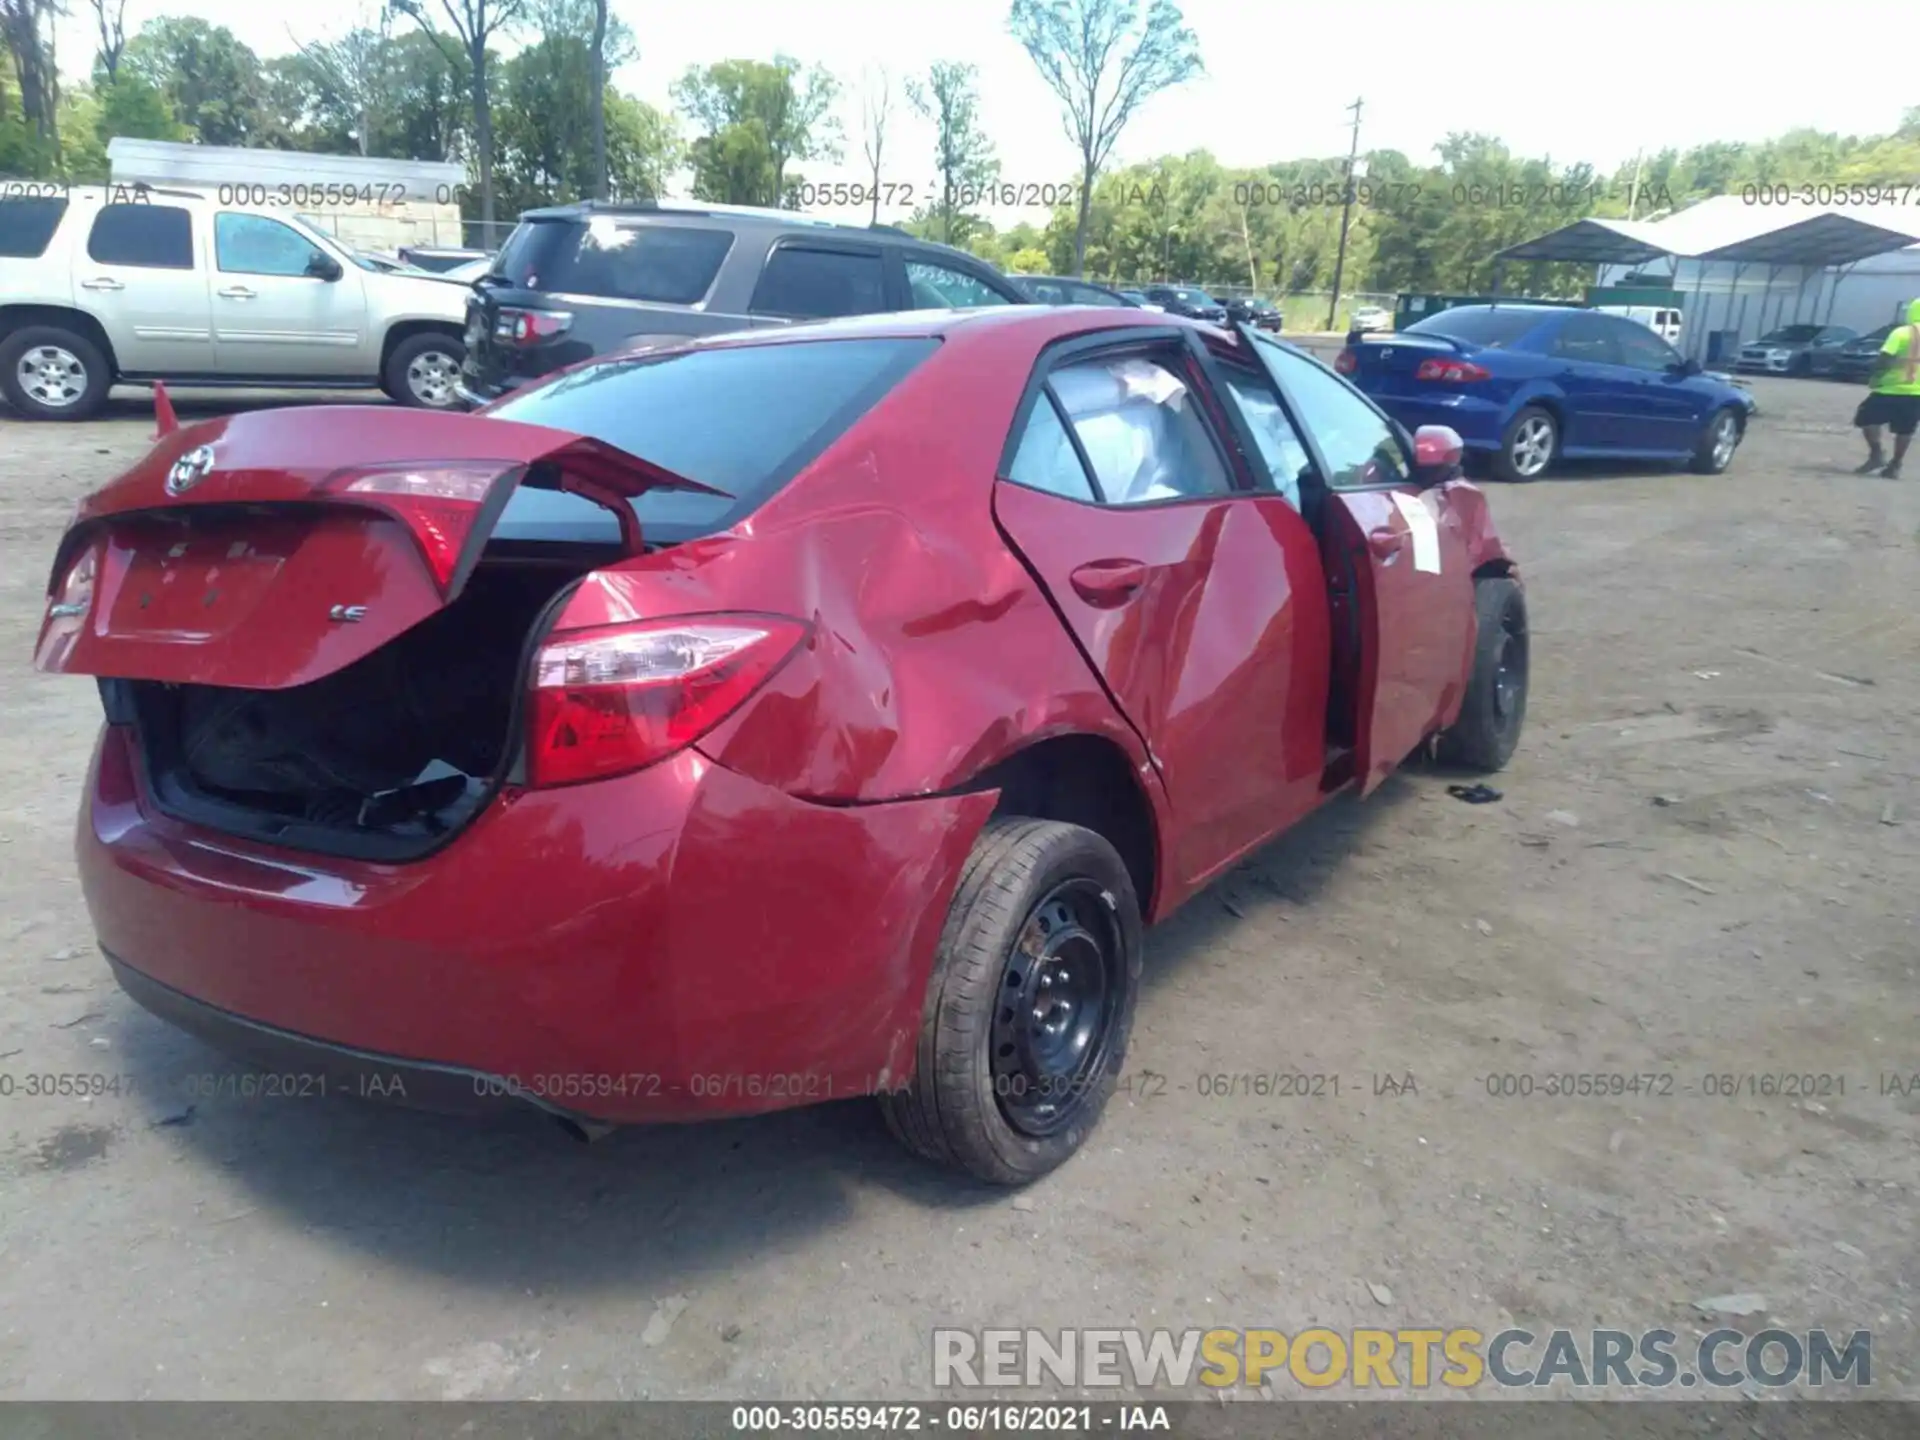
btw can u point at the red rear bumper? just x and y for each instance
(677, 943)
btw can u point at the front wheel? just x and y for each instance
(1495, 707)
(1713, 452)
(1029, 1006)
(1527, 446)
(423, 370)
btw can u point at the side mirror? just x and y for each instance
(1686, 367)
(1437, 454)
(324, 267)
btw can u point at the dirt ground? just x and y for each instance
(1704, 866)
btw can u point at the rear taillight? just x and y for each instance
(1451, 372)
(1346, 362)
(530, 327)
(606, 701)
(438, 503)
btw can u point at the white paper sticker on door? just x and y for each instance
(1426, 531)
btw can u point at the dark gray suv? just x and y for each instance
(576, 281)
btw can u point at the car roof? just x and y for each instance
(742, 217)
(1047, 322)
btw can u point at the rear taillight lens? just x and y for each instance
(607, 701)
(1451, 372)
(1346, 362)
(438, 503)
(530, 327)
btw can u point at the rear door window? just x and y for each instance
(618, 259)
(27, 223)
(744, 419)
(1046, 459)
(1140, 426)
(1587, 339)
(805, 283)
(151, 237)
(940, 287)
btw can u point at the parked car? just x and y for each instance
(466, 274)
(708, 730)
(1526, 385)
(1367, 318)
(383, 262)
(576, 281)
(1139, 298)
(440, 258)
(1663, 320)
(1790, 349)
(1060, 290)
(1855, 360)
(1192, 304)
(127, 285)
(1254, 311)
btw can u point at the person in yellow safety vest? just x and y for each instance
(1893, 399)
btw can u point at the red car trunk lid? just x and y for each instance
(234, 555)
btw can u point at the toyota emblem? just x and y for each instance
(189, 470)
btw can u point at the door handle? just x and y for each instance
(1107, 583)
(237, 292)
(104, 282)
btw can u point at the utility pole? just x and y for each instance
(1633, 187)
(1346, 215)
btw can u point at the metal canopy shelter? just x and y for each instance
(1815, 243)
(1590, 242)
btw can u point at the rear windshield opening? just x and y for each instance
(1492, 328)
(744, 419)
(618, 258)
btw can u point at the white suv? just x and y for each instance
(103, 285)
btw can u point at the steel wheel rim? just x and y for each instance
(1510, 670)
(1725, 438)
(430, 377)
(52, 375)
(1532, 446)
(1055, 1011)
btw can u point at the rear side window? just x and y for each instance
(1492, 328)
(743, 419)
(27, 223)
(1141, 428)
(808, 284)
(620, 260)
(1046, 459)
(152, 237)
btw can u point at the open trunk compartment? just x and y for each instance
(386, 759)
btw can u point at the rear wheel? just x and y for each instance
(47, 373)
(423, 370)
(1713, 452)
(1495, 707)
(1029, 1005)
(1527, 446)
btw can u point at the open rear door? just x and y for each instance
(264, 550)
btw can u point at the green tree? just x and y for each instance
(757, 119)
(1102, 59)
(211, 81)
(475, 25)
(130, 107)
(962, 153)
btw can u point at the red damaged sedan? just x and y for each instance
(777, 718)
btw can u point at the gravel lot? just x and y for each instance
(1705, 865)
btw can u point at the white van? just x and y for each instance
(1663, 322)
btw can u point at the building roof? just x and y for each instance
(163, 162)
(1731, 228)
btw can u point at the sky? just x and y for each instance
(1593, 83)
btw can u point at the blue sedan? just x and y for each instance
(1526, 385)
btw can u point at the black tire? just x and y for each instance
(1504, 465)
(1488, 729)
(1707, 456)
(403, 384)
(960, 1109)
(95, 376)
